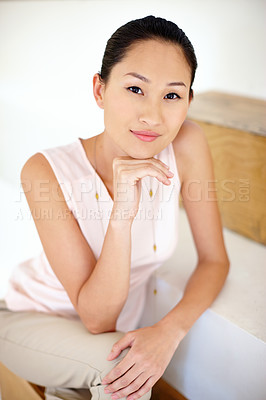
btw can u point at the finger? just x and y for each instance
(124, 380)
(120, 345)
(128, 387)
(126, 160)
(157, 164)
(161, 164)
(148, 163)
(136, 173)
(128, 163)
(119, 370)
(115, 374)
(144, 389)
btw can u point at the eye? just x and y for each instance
(135, 89)
(173, 94)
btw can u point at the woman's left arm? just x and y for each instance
(152, 348)
(198, 192)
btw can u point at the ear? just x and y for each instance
(98, 90)
(191, 95)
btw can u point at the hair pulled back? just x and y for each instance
(142, 29)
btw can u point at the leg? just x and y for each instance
(67, 394)
(56, 352)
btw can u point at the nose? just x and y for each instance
(151, 113)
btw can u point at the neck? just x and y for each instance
(106, 151)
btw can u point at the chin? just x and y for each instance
(142, 154)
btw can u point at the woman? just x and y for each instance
(99, 249)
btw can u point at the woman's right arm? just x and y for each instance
(98, 289)
(104, 294)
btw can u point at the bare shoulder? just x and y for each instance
(37, 164)
(35, 158)
(189, 144)
(37, 170)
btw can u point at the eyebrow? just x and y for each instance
(148, 81)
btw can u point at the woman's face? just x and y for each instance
(158, 102)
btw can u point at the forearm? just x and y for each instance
(201, 290)
(103, 296)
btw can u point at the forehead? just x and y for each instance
(155, 60)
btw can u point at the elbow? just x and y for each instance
(92, 322)
(96, 326)
(96, 329)
(97, 320)
(226, 268)
(224, 263)
(228, 265)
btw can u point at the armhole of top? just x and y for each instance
(65, 186)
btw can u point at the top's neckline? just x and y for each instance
(87, 161)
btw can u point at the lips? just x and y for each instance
(146, 136)
(146, 133)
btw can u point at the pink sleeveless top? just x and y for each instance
(33, 284)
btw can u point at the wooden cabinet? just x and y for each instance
(235, 128)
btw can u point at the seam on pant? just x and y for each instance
(51, 354)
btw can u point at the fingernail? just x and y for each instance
(171, 173)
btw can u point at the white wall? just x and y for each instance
(49, 51)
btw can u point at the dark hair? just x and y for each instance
(138, 30)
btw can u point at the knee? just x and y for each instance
(106, 342)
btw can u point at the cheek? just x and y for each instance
(117, 112)
(179, 115)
